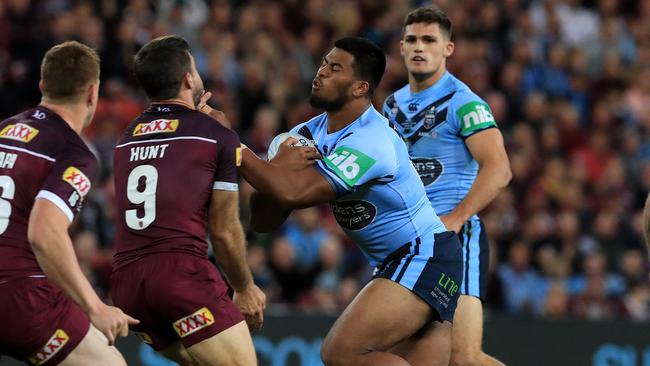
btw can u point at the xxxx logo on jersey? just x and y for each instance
(156, 126)
(194, 322)
(53, 345)
(19, 132)
(77, 180)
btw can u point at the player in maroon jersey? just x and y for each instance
(45, 173)
(176, 179)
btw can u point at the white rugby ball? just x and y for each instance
(274, 146)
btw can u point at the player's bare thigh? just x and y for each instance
(94, 350)
(467, 334)
(430, 346)
(232, 347)
(383, 314)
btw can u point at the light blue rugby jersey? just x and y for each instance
(381, 203)
(435, 123)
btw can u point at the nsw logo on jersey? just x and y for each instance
(78, 180)
(156, 126)
(53, 345)
(198, 320)
(475, 116)
(19, 132)
(349, 164)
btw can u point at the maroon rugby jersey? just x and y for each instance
(166, 165)
(40, 156)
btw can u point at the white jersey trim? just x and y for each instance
(27, 152)
(58, 202)
(168, 139)
(225, 186)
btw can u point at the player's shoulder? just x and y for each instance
(309, 128)
(372, 134)
(463, 94)
(397, 97)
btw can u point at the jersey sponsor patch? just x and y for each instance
(78, 180)
(198, 320)
(475, 116)
(428, 169)
(19, 132)
(354, 215)
(156, 126)
(349, 164)
(53, 345)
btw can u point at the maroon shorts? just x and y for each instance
(175, 297)
(40, 324)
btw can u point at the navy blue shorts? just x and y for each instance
(476, 258)
(431, 268)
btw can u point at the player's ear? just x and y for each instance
(188, 80)
(449, 48)
(360, 88)
(92, 93)
(41, 87)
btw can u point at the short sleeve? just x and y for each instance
(357, 162)
(228, 158)
(70, 180)
(472, 114)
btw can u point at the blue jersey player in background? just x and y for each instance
(377, 197)
(459, 153)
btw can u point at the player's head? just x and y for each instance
(165, 69)
(426, 42)
(70, 75)
(351, 70)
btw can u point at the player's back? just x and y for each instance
(435, 123)
(166, 165)
(40, 156)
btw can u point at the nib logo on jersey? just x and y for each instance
(156, 126)
(194, 322)
(349, 164)
(53, 345)
(77, 180)
(19, 132)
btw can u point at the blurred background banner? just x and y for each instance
(294, 340)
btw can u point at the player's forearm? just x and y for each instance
(54, 253)
(267, 214)
(229, 247)
(490, 180)
(269, 179)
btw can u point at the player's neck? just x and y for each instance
(349, 113)
(180, 101)
(72, 114)
(417, 86)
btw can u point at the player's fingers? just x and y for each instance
(124, 330)
(311, 153)
(111, 338)
(205, 97)
(289, 142)
(131, 320)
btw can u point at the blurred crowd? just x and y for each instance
(568, 82)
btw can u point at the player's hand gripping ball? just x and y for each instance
(279, 139)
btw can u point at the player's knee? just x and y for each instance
(334, 356)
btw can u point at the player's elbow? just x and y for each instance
(505, 175)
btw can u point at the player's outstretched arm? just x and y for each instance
(229, 246)
(267, 214)
(292, 188)
(488, 150)
(48, 235)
